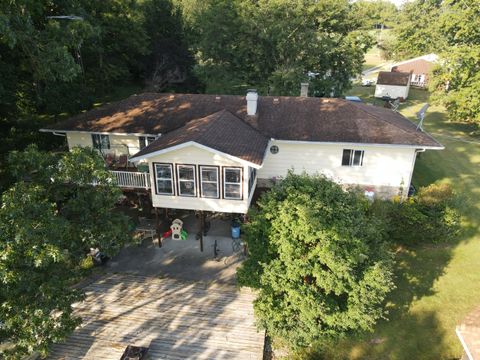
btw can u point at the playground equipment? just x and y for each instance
(176, 231)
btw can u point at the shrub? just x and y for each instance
(429, 217)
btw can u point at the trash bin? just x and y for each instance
(235, 229)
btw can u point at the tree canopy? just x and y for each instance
(49, 219)
(319, 260)
(274, 45)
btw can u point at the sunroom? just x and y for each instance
(198, 167)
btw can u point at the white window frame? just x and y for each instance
(100, 142)
(225, 183)
(206, 167)
(352, 157)
(147, 140)
(171, 179)
(179, 181)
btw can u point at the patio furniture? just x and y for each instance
(146, 229)
(134, 353)
(122, 161)
(110, 159)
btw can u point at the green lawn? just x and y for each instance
(436, 285)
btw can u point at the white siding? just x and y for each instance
(119, 144)
(391, 91)
(382, 165)
(194, 156)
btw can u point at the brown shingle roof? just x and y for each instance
(418, 66)
(221, 131)
(282, 118)
(393, 78)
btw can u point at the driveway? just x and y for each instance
(175, 319)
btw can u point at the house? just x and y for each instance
(210, 152)
(419, 68)
(392, 85)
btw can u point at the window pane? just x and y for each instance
(150, 139)
(187, 188)
(185, 173)
(209, 174)
(164, 171)
(232, 191)
(232, 175)
(210, 190)
(357, 158)
(164, 186)
(141, 141)
(346, 157)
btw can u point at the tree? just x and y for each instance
(319, 261)
(49, 219)
(417, 32)
(456, 80)
(375, 14)
(275, 45)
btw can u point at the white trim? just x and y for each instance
(464, 344)
(200, 146)
(155, 178)
(240, 183)
(358, 144)
(98, 132)
(179, 180)
(216, 168)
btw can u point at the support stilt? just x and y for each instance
(157, 226)
(202, 229)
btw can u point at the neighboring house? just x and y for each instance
(419, 68)
(468, 333)
(210, 153)
(392, 85)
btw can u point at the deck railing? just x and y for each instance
(131, 179)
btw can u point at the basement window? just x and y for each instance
(232, 183)
(164, 179)
(352, 157)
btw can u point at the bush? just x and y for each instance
(319, 260)
(430, 217)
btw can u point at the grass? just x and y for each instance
(373, 58)
(437, 286)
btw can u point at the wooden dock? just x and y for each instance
(175, 319)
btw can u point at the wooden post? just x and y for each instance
(202, 228)
(159, 230)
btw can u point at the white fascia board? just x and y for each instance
(464, 344)
(359, 144)
(97, 132)
(200, 146)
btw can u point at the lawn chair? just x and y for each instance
(122, 161)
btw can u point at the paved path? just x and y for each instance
(175, 319)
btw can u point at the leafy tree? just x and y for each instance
(375, 14)
(274, 45)
(319, 261)
(48, 221)
(456, 79)
(417, 32)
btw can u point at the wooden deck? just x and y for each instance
(175, 319)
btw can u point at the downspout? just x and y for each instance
(413, 167)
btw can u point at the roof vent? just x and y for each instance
(276, 100)
(252, 101)
(218, 98)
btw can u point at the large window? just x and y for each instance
(209, 182)
(352, 157)
(186, 180)
(100, 142)
(144, 141)
(232, 183)
(164, 179)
